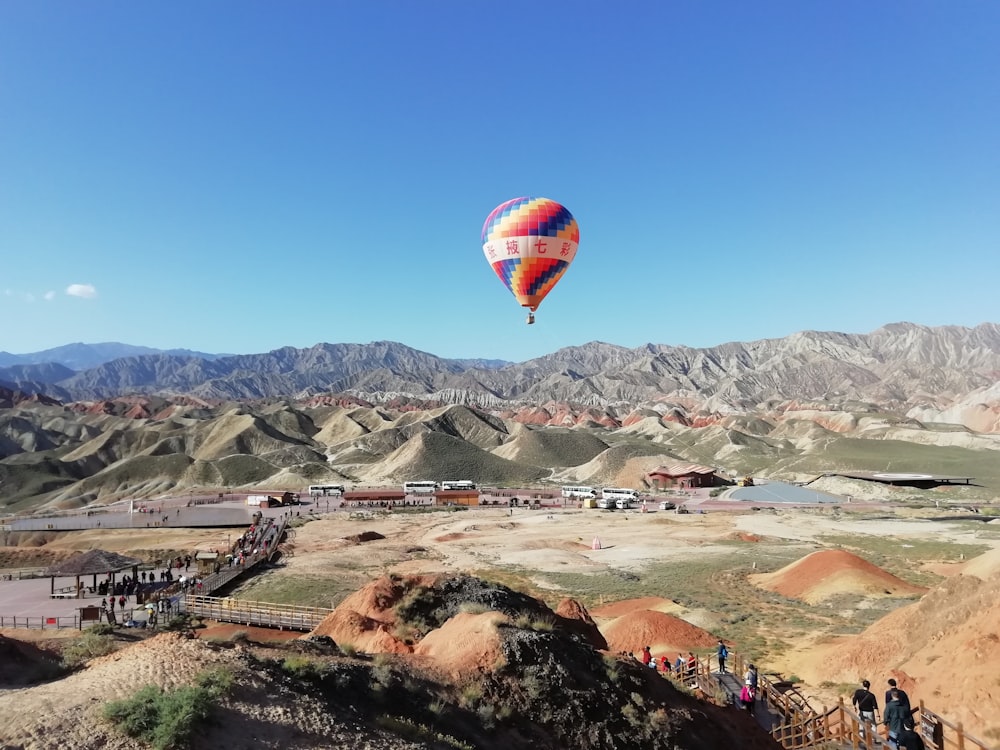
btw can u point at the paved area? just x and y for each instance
(32, 598)
(780, 492)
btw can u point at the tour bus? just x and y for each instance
(456, 484)
(581, 492)
(420, 488)
(334, 490)
(622, 497)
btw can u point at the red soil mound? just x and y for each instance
(662, 632)
(367, 618)
(377, 599)
(466, 644)
(828, 573)
(577, 619)
(617, 609)
(345, 626)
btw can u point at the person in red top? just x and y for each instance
(646, 655)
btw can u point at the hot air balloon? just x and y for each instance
(530, 243)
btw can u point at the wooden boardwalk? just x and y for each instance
(262, 614)
(797, 725)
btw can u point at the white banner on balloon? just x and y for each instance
(529, 247)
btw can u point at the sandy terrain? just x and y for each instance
(539, 544)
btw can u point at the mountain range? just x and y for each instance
(903, 398)
(898, 365)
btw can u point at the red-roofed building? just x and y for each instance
(684, 475)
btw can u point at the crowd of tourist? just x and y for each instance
(897, 715)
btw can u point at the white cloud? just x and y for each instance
(87, 291)
(49, 296)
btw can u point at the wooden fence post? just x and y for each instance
(960, 738)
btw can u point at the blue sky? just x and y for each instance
(240, 176)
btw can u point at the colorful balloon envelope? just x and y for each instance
(530, 243)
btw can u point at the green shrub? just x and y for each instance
(382, 677)
(218, 681)
(471, 695)
(166, 720)
(181, 711)
(302, 667)
(404, 727)
(527, 621)
(88, 646)
(102, 628)
(180, 621)
(136, 716)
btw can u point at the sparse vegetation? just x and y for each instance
(412, 730)
(167, 719)
(302, 667)
(87, 646)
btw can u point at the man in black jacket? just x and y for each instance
(896, 715)
(865, 703)
(904, 699)
(909, 739)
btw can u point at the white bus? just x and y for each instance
(457, 484)
(581, 492)
(334, 490)
(622, 497)
(420, 488)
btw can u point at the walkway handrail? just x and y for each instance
(228, 609)
(805, 727)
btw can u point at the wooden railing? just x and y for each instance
(264, 614)
(212, 583)
(801, 726)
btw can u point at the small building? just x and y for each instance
(456, 497)
(685, 476)
(206, 562)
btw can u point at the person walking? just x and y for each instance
(909, 739)
(895, 715)
(722, 653)
(904, 699)
(866, 704)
